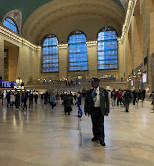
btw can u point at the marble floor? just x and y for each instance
(46, 137)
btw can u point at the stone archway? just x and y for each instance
(61, 17)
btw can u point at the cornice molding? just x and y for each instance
(129, 15)
(16, 38)
(20, 40)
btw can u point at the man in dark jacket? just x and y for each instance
(8, 99)
(68, 101)
(17, 100)
(97, 105)
(134, 97)
(127, 99)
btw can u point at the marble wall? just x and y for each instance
(138, 44)
(139, 41)
(25, 62)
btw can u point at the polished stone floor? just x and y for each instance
(46, 137)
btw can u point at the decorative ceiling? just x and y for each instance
(27, 7)
(60, 17)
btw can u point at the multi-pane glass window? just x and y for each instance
(78, 59)
(10, 24)
(50, 54)
(107, 55)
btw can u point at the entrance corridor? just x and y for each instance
(46, 137)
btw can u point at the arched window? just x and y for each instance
(50, 54)
(10, 24)
(78, 60)
(107, 53)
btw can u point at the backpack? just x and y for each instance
(80, 113)
(113, 93)
(128, 96)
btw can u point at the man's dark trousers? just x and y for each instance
(98, 123)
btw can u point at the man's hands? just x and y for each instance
(86, 113)
(106, 114)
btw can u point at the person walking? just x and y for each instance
(134, 97)
(25, 101)
(36, 98)
(12, 99)
(1, 96)
(8, 99)
(97, 105)
(68, 101)
(143, 94)
(113, 97)
(52, 99)
(152, 97)
(119, 97)
(46, 98)
(17, 100)
(127, 99)
(31, 99)
(22, 98)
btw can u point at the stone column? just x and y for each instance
(1, 57)
(151, 54)
(146, 48)
(63, 62)
(138, 41)
(132, 42)
(92, 60)
(13, 63)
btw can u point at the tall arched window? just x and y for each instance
(10, 24)
(50, 54)
(107, 53)
(78, 60)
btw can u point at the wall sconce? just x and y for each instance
(18, 81)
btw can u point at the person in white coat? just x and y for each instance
(12, 99)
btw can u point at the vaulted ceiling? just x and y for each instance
(40, 17)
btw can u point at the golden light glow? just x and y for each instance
(129, 14)
(91, 43)
(63, 45)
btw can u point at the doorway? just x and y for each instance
(11, 54)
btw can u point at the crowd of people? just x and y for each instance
(120, 97)
(20, 99)
(124, 97)
(66, 98)
(97, 103)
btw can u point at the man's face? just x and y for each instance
(95, 84)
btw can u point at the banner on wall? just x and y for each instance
(132, 83)
(144, 77)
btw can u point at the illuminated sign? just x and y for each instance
(132, 83)
(108, 77)
(8, 84)
(144, 77)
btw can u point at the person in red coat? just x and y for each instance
(119, 97)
